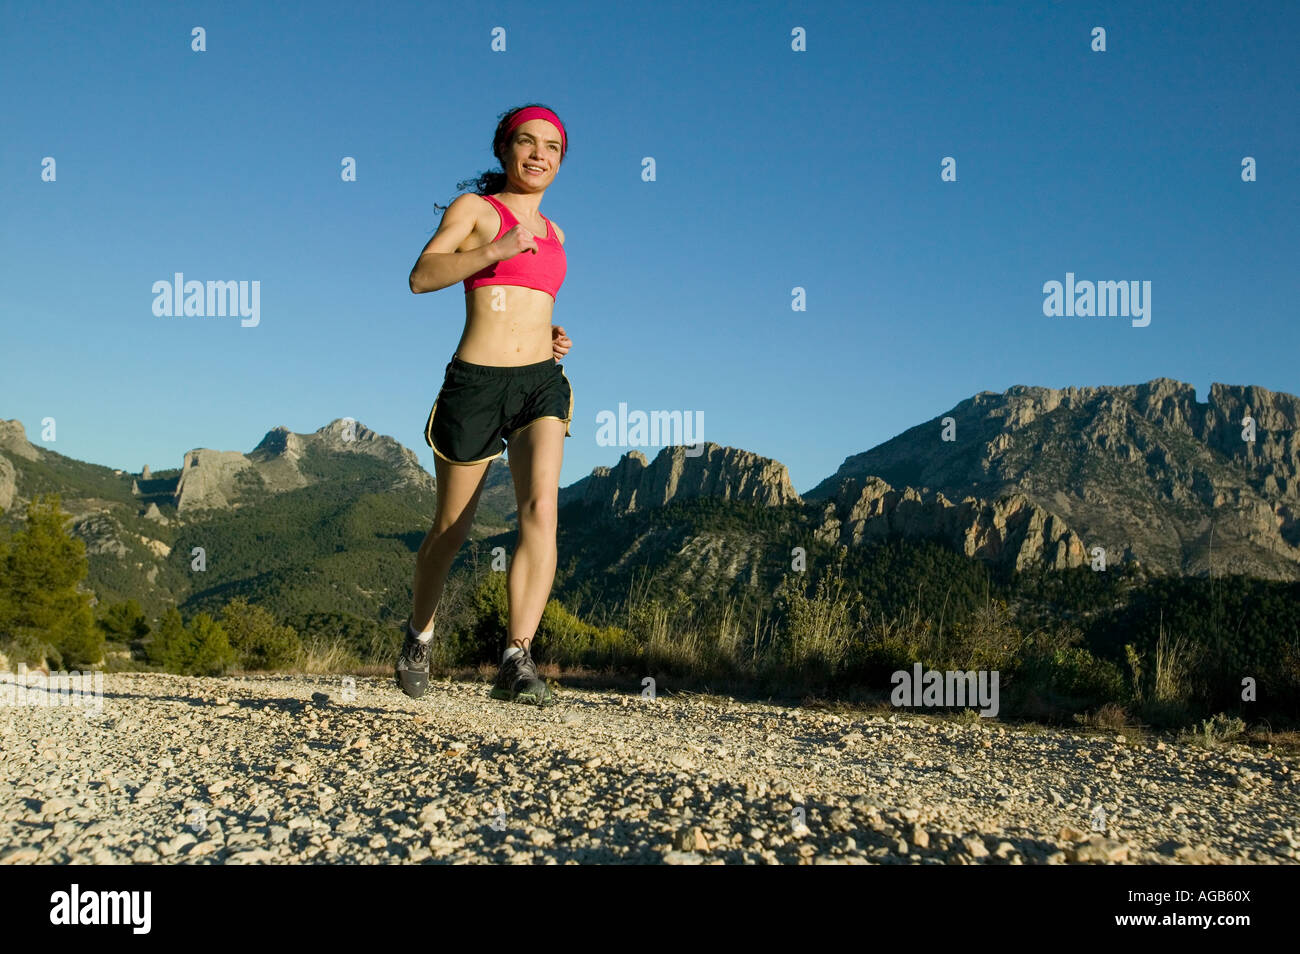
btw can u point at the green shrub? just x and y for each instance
(208, 649)
(568, 640)
(166, 649)
(199, 649)
(258, 641)
(43, 611)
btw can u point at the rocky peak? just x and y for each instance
(635, 483)
(1142, 468)
(13, 438)
(278, 442)
(211, 478)
(347, 434)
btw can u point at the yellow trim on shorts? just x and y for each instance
(428, 439)
(547, 417)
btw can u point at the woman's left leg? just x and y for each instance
(535, 453)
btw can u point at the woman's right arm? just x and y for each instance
(440, 265)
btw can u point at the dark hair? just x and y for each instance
(492, 181)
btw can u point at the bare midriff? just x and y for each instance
(505, 325)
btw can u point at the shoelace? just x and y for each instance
(526, 665)
(419, 652)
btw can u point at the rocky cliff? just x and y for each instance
(725, 472)
(1141, 468)
(1011, 532)
(282, 461)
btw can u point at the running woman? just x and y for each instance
(502, 386)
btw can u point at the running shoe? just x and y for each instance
(412, 669)
(518, 681)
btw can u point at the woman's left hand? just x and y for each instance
(560, 342)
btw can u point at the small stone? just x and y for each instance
(149, 791)
(690, 839)
(542, 837)
(55, 806)
(22, 855)
(975, 847)
(683, 858)
(920, 837)
(1070, 834)
(144, 855)
(432, 816)
(1097, 849)
(181, 841)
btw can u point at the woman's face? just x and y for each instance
(534, 155)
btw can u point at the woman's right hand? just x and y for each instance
(518, 239)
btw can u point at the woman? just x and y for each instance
(502, 386)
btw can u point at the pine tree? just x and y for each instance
(208, 649)
(124, 622)
(257, 639)
(45, 613)
(167, 647)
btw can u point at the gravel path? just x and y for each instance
(282, 769)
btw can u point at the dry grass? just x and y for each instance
(321, 655)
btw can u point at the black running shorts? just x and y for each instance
(480, 407)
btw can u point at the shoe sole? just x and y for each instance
(419, 690)
(527, 698)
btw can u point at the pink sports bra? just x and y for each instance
(543, 270)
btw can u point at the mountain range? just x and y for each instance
(1032, 478)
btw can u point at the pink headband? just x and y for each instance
(540, 112)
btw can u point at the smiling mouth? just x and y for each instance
(534, 170)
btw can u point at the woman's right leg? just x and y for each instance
(459, 487)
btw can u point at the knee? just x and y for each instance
(541, 512)
(442, 542)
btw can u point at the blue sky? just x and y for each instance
(775, 170)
